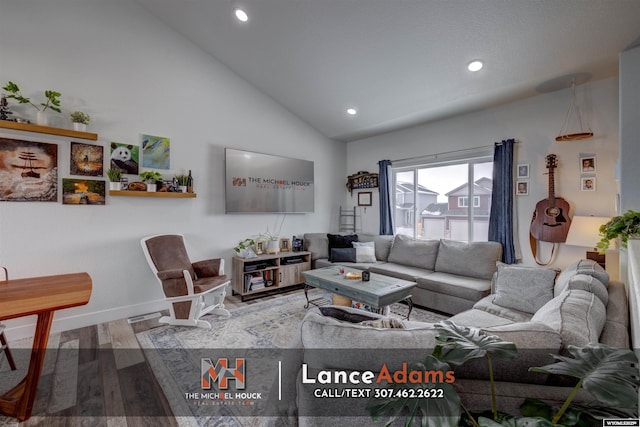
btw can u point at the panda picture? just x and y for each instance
(124, 157)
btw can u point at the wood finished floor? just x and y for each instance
(103, 380)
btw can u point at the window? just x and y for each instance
(432, 198)
(463, 201)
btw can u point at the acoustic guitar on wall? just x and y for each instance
(550, 222)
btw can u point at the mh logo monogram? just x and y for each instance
(221, 373)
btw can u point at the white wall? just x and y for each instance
(535, 122)
(135, 75)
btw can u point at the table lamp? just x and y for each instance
(585, 231)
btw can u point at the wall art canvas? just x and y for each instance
(125, 157)
(83, 191)
(156, 152)
(28, 171)
(86, 159)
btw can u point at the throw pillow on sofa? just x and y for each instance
(365, 251)
(340, 241)
(523, 288)
(342, 255)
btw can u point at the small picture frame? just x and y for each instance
(588, 164)
(285, 245)
(588, 183)
(522, 188)
(260, 247)
(364, 198)
(523, 170)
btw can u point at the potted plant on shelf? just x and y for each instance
(244, 246)
(625, 226)
(51, 96)
(151, 178)
(273, 245)
(114, 175)
(182, 182)
(80, 120)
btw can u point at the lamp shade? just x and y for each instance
(585, 231)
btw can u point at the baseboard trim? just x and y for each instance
(65, 323)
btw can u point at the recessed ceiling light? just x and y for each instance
(352, 111)
(241, 15)
(475, 65)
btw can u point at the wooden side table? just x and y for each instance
(41, 296)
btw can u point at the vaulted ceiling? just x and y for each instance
(404, 62)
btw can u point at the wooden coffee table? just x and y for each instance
(378, 292)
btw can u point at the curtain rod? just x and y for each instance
(435, 156)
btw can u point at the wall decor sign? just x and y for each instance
(28, 171)
(86, 159)
(83, 191)
(364, 198)
(125, 157)
(156, 151)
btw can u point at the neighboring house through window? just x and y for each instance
(432, 198)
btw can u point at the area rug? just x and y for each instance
(255, 331)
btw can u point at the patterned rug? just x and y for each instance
(256, 331)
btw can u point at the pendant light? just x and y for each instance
(574, 110)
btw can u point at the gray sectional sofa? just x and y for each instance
(541, 312)
(451, 276)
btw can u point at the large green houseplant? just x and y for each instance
(625, 226)
(609, 374)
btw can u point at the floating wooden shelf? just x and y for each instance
(48, 130)
(161, 194)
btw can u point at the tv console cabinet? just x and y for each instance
(266, 274)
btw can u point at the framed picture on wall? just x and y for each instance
(522, 188)
(364, 198)
(588, 164)
(523, 170)
(588, 183)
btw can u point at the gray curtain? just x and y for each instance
(501, 217)
(386, 211)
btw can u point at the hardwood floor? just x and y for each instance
(95, 375)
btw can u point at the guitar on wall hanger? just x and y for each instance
(550, 222)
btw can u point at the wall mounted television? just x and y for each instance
(264, 183)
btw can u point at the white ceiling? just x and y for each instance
(403, 62)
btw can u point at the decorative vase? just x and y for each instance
(151, 187)
(81, 127)
(42, 119)
(183, 188)
(117, 186)
(273, 247)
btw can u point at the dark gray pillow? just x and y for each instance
(523, 288)
(340, 241)
(344, 315)
(343, 255)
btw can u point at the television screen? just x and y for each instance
(263, 183)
